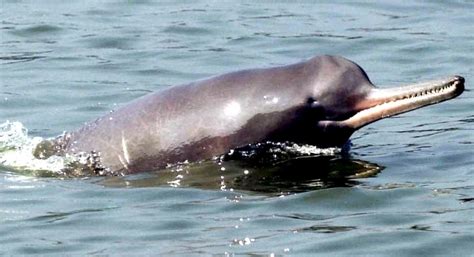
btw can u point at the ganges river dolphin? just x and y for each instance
(320, 101)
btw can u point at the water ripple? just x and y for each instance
(53, 217)
(37, 30)
(13, 58)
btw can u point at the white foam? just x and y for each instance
(312, 150)
(16, 151)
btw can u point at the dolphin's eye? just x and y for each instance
(310, 100)
(316, 109)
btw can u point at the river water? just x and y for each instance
(405, 188)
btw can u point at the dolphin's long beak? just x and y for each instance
(382, 103)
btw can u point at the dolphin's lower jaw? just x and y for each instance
(383, 103)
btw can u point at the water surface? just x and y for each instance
(65, 64)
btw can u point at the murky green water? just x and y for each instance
(65, 64)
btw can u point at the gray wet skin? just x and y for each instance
(321, 101)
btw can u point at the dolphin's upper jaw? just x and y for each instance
(383, 103)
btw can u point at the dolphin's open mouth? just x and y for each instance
(382, 103)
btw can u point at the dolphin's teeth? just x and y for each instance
(422, 93)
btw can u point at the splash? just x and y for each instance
(16, 152)
(274, 152)
(312, 150)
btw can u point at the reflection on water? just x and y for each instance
(293, 175)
